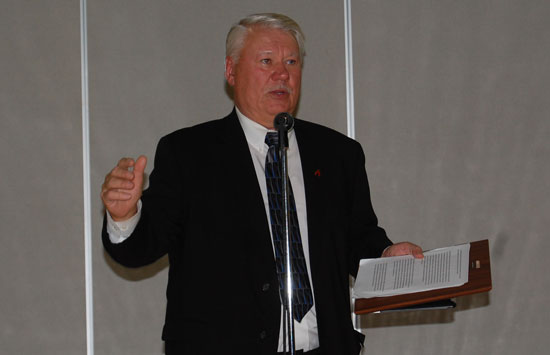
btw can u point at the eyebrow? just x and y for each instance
(271, 52)
(265, 52)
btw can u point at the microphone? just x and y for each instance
(283, 121)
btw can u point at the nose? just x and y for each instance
(280, 72)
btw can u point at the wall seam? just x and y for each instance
(86, 180)
(350, 109)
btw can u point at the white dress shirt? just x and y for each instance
(306, 332)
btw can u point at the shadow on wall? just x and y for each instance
(136, 274)
(402, 318)
(141, 273)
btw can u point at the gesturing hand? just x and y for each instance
(122, 188)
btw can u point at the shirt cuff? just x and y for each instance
(120, 231)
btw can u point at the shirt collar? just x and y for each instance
(255, 132)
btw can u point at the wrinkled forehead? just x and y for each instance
(265, 39)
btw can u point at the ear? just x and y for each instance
(230, 71)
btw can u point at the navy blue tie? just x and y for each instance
(302, 296)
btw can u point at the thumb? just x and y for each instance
(139, 166)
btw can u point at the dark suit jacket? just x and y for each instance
(205, 209)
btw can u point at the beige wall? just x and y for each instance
(42, 300)
(454, 115)
(451, 109)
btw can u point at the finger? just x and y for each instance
(404, 248)
(125, 163)
(118, 183)
(111, 196)
(399, 249)
(121, 173)
(413, 249)
(392, 250)
(417, 252)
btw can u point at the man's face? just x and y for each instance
(267, 77)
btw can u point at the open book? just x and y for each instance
(440, 268)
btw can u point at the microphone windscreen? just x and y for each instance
(283, 121)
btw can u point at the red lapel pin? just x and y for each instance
(317, 173)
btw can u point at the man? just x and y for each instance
(211, 212)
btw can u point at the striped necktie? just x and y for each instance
(302, 296)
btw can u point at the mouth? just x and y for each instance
(281, 91)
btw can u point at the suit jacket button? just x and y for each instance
(263, 335)
(265, 287)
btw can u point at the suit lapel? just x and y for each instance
(312, 169)
(239, 169)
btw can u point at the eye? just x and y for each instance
(291, 61)
(265, 61)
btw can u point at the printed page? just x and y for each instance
(440, 268)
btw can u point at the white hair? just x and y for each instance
(238, 32)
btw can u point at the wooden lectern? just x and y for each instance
(479, 280)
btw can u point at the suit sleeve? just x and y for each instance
(368, 240)
(162, 213)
